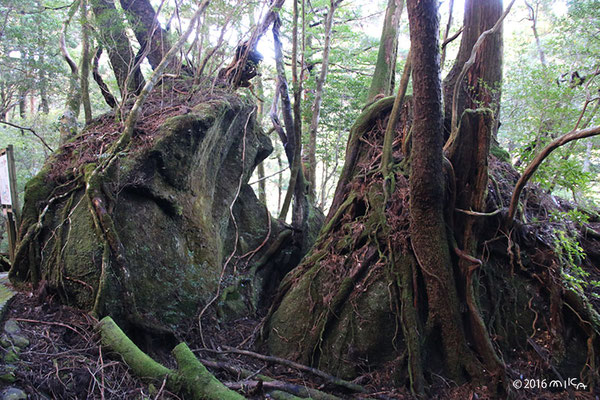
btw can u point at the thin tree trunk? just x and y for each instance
(390, 131)
(43, 89)
(68, 121)
(447, 32)
(280, 180)
(22, 103)
(533, 15)
(587, 158)
(316, 107)
(289, 142)
(42, 76)
(85, 62)
(129, 124)
(385, 69)
(108, 97)
(260, 112)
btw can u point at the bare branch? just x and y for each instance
(447, 32)
(63, 46)
(268, 176)
(22, 128)
(452, 38)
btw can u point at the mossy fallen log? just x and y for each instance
(191, 377)
(196, 380)
(142, 365)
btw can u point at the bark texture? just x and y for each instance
(115, 41)
(427, 224)
(385, 69)
(150, 35)
(481, 88)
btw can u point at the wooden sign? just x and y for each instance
(5, 196)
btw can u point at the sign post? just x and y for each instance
(9, 200)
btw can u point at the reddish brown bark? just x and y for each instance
(427, 225)
(481, 88)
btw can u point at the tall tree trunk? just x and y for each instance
(86, 57)
(316, 107)
(42, 75)
(468, 150)
(115, 40)
(481, 88)
(68, 121)
(427, 226)
(447, 32)
(22, 103)
(43, 89)
(533, 17)
(260, 113)
(300, 210)
(385, 69)
(291, 143)
(148, 32)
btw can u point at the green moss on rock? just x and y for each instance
(169, 204)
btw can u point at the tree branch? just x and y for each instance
(156, 75)
(108, 97)
(530, 170)
(447, 32)
(329, 378)
(22, 128)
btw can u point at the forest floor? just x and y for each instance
(55, 353)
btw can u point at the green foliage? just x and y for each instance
(542, 102)
(29, 54)
(29, 152)
(567, 248)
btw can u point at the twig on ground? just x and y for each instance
(329, 378)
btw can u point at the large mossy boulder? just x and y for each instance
(171, 197)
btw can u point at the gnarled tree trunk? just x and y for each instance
(382, 83)
(481, 88)
(151, 36)
(398, 283)
(114, 40)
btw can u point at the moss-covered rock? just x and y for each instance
(168, 198)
